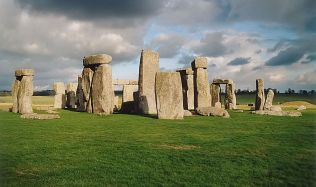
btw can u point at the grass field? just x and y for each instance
(82, 149)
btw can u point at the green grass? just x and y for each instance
(37, 100)
(82, 149)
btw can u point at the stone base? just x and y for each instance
(40, 116)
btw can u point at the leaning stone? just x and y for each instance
(302, 107)
(269, 100)
(24, 72)
(97, 59)
(260, 98)
(169, 95)
(40, 116)
(102, 90)
(25, 95)
(148, 67)
(212, 111)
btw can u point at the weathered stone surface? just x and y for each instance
(116, 104)
(187, 81)
(230, 97)
(102, 91)
(275, 108)
(128, 103)
(199, 62)
(277, 113)
(212, 111)
(125, 82)
(80, 102)
(302, 107)
(223, 81)
(71, 95)
(97, 59)
(187, 113)
(59, 88)
(260, 97)
(218, 105)
(40, 116)
(269, 100)
(87, 75)
(215, 90)
(149, 65)
(25, 95)
(202, 96)
(60, 95)
(24, 72)
(169, 95)
(15, 91)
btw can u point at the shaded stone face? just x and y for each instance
(128, 104)
(269, 100)
(81, 107)
(230, 97)
(260, 98)
(215, 93)
(202, 97)
(187, 88)
(169, 95)
(102, 91)
(97, 59)
(149, 65)
(15, 91)
(87, 75)
(71, 95)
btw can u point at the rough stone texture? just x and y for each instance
(80, 102)
(215, 90)
(128, 103)
(24, 72)
(87, 75)
(202, 97)
(222, 81)
(260, 97)
(269, 100)
(40, 116)
(212, 111)
(187, 113)
(60, 96)
(97, 59)
(187, 81)
(277, 113)
(218, 105)
(230, 97)
(125, 82)
(15, 91)
(25, 95)
(102, 90)
(71, 95)
(302, 107)
(169, 95)
(149, 65)
(276, 108)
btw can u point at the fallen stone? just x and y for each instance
(276, 108)
(97, 59)
(212, 111)
(40, 116)
(187, 113)
(302, 107)
(277, 113)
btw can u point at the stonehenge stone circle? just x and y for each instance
(128, 103)
(71, 95)
(260, 97)
(187, 81)
(60, 95)
(269, 100)
(169, 95)
(97, 84)
(149, 65)
(22, 91)
(202, 97)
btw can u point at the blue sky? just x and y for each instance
(242, 39)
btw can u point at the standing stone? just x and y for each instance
(128, 104)
(22, 91)
(187, 88)
(202, 97)
(60, 97)
(80, 102)
(215, 93)
(71, 95)
(116, 104)
(87, 75)
(169, 95)
(269, 100)
(230, 98)
(260, 98)
(102, 91)
(149, 65)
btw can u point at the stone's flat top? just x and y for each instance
(124, 82)
(149, 51)
(40, 116)
(223, 81)
(199, 62)
(24, 72)
(97, 59)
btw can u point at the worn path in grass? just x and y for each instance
(89, 150)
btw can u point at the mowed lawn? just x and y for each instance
(83, 149)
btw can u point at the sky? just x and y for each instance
(244, 40)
